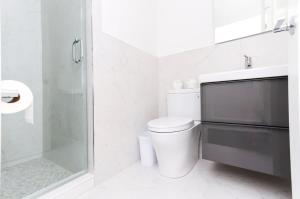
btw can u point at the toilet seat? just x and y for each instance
(170, 124)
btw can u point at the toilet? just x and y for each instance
(176, 137)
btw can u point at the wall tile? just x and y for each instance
(125, 81)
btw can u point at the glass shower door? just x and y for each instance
(45, 143)
(64, 72)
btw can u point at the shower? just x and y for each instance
(43, 46)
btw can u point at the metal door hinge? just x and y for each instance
(282, 25)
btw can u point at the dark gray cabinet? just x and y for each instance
(255, 102)
(260, 149)
(245, 124)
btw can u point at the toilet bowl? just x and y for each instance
(176, 142)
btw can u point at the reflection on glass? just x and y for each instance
(236, 19)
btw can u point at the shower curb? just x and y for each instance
(71, 189)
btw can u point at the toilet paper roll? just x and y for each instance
(22, 102)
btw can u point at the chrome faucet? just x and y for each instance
(248, 62)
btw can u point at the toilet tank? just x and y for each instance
(184, 103)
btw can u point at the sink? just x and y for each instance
(253, 73)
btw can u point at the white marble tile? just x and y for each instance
(206, 181)
(125, 84)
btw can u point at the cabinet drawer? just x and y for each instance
(260, 149)
(255, 102)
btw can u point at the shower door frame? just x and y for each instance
(0, 87)
(90, 84)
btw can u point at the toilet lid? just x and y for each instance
(170, 124)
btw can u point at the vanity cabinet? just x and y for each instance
(254, 102)
(245, 124)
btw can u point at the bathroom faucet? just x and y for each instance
(248, 62)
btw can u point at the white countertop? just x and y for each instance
(253, 73)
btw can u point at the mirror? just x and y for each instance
(236, 19)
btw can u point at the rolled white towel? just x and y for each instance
(177, 84)
(191, 83)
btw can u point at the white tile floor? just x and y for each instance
(207, 181)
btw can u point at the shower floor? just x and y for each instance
(29, 177)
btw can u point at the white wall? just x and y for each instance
(183, 25)
(125, 98)
(131, 21)
(166, 27)
(159, 27)
(22, 60)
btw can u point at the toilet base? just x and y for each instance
(177, 152)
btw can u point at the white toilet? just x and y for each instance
(176, 138)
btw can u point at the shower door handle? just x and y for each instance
(81, 50)
(74, 50)
(76, 43)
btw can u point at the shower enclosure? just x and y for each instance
(43, 45)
